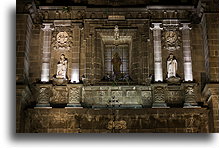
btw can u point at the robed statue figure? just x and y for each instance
(116, 62)
(62, 68)
(171, 66)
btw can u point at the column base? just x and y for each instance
(74, 106)
(160, 105)
(43, 106)
(191, 105)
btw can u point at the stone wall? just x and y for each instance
(23, 39)
(116, 121)
(212, 24)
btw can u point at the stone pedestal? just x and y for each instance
(159, 96)
(190, 101)
(74, 99)
(43, 95)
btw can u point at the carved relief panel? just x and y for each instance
(62, 40)
(60, 95)
(74, 95)
(159, 94)
(171, 39)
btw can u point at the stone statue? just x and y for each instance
(116, 32)
(62, 68)
(116, 62)
(171, 66)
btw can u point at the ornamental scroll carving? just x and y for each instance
(74, 95)
(60, 95)
(159, 94)
(62, 40)
(44, 95)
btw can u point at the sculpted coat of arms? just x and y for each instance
(171, 40)
(62, 41)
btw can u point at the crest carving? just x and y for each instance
(62, 40)
(171, 39)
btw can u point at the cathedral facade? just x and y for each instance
(116, 66)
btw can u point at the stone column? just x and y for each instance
(46, 52)
(158, 72)
(187, 52)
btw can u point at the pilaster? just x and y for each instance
(188, 76)
(158, 72)
(47, 33)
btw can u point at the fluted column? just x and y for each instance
(46, 52)
(158, 72)
(188, 76)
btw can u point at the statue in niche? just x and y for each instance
(116, 62)
(62, 68)
(171, 66)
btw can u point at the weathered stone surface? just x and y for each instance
(116, 121)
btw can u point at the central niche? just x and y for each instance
(116, 60)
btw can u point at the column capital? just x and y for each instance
(47, 27)
(156, 26)
(185, 26)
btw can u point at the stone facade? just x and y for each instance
(143, 98)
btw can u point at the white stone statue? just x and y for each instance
(171, 66)
(62, 68)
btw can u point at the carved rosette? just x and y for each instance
(62, 39)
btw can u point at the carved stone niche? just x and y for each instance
(44, 94)
(75, 95)
(159, 91)
(190, 96)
